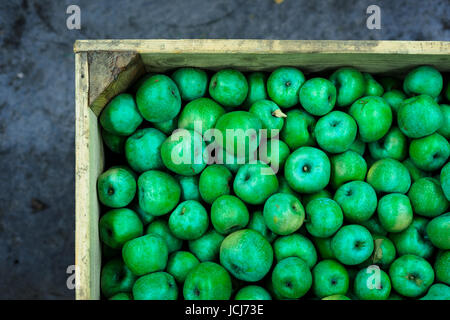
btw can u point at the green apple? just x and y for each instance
(276, 153)
(335, 132)
(145, 254)
(117, 226)
(167, 127)
(357, 199)
(232, 162)
(228, 214)
(239, 133)
(447, 91)
(189, 220)
(256, 88)
(444, 130)
(442, 267)
(395, 212)
(372, 284)
(429, 153)
(155, 286)
(437, 291)
(189, 187)
(323, 246)
(228, 87)
(135, 87)
(247, 255)
(145, 217)
(352, 244)
(393, 145)
(373, 116)
(336, 297)
(257, 223)
(180, 263)
(330, 278)
(283, 86)
(116, 278)
(318, 96)
(122, 296)
(323, 217)
(347, 166)
(411, 276)
(127, 168)
(283, 213)
(389, 175)
(373, 88)
(414, 240)
(358, 146)
(423, 80)
(419, 116)
(252, 293)
(254, 183)
(291, 278)
(114, 142)
(200, 115)
(121, 116)
(395, 99)
(307, 198)
(158, 192)
(183, 152)
(350, 85)
(207, 281)
(298, 129)
(191, 82)
(116, 187)
(374, 226)
(143, 149)
(161, 228)
(445, 180)
(307, 170)
(215, 181)
(427, 198)
(206, 248)
(414, 172)
(271, 116)
(295, 245)
(438, 231)
(158, 99)
(383, 252)
(395, 296)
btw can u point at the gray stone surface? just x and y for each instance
(37, 99)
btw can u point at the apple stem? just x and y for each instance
(279, 114)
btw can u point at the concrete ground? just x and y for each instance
(37, 99)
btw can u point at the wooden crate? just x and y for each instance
(105, 68)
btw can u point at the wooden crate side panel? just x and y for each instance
(310, 55)
(255, 46)
(88, 165)
(307, 62)
(111, 73)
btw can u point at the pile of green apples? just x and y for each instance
(357, 209)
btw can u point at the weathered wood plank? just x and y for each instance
(186, 46)
(110, 73)
(310, 55)
(88, 165)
